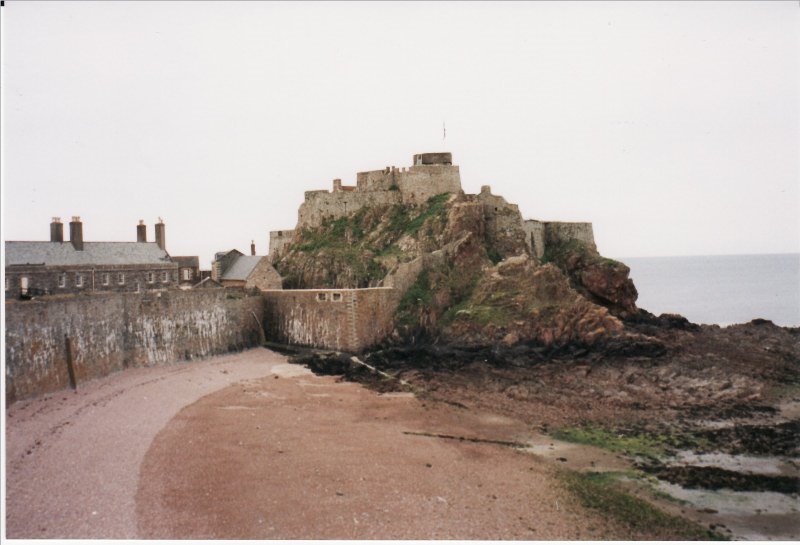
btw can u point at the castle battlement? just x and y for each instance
(430, 175)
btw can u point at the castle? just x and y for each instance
(430, 174)
(354, 319)
(125, 315)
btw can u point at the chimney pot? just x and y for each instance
(252, 247)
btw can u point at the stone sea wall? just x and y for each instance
(338, 319)
(105, 333)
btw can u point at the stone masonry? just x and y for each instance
(105, 333)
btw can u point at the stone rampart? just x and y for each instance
(347, 319)
(110, 332)
(278, 240)
(416, 184)
(534, 234)
(561, 231)
(321, 205)
(412, 185)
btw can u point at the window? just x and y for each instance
(6, 283)
(150, 277)
(79, 280)
(62, 280)
(187, 274)
(120, 278)
(336, 297)
(322, 297)
(23, 284)
(106, 279)
(165, 276)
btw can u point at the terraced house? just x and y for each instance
(75, 266)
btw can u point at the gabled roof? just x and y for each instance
(241, 267)
(187, 260)
(220, 255)
(93, 253)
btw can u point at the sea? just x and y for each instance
(720, 289)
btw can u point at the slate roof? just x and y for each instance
(241, 268)
(93, 253)
(187, 260)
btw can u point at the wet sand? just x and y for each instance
(249, 446)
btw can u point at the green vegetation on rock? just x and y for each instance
(357, 250)
(632, 445)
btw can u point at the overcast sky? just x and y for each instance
(673, 127)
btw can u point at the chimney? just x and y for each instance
(76, 233)
(141, 232)
(337, 185)
(160, 236)
(56, 230)
(252, 247)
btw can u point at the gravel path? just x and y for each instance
(249, 446)
(72, 458)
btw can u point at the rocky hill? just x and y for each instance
(467, 277)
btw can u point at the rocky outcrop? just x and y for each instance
(520, 301)
(601, 280)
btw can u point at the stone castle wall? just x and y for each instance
(321, 205)
(560, 231)
(534, 235)
(111, 332)
(416, 184)
(348, 319)
(411, 185)
(278, 241)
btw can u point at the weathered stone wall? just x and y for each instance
(349, 319)
(436, 158)
(320, 205)
(419, 183)
(559, 231)
(534, 234)
(278, 241)
(110, 332)
(504, 229)
(411, 185)
(416, 184)
(264, 277)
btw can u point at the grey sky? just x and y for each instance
(673, 127)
